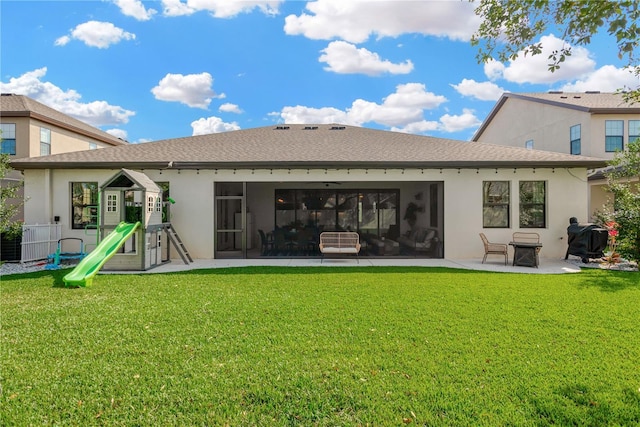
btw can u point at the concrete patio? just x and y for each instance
(547, 266)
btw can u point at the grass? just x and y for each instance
(322, 346)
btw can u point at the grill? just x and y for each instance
(586, 240)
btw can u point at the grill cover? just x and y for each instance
(586, 241)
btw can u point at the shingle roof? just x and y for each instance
(12, 105)
(306, 146)
(591, 102)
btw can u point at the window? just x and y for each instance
(634, 130)
(112, 203)
(495, 204)
(84, 205)
(8, 136)
(533, 210)
(45, 141)
(158, 204)
(614, 133)
(575, 137)
(529, 144)
(93, 146)
(367, 211)
(150, 203)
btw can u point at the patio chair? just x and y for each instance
(267, 244)
(494, 249)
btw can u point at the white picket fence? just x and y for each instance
(39, 241)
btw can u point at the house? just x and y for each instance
(592, 124)
(32, 129)
(269, 191)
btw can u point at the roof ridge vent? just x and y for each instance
(555, 92)
(282, 127)
(337, 128)
(592, 91)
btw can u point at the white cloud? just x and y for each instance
(63, 40)
(212, 125)
(135, 9)
(605, 79)
(484, 91)
(457, 123)
(535, 68)
(220, 8)
(423, 126)
(96, 113)
(579, 69)
(96, 34)
(345, 58)
(494, 69)
(118, 133)
(447, 123)
(230, 108)
(301, 114)
(356, 21)
(193, 90)
(406, 105)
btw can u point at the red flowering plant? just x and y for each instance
(611, 256)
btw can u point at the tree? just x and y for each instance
(623, 178)
(9, 203)
(512, 26)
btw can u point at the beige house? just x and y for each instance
(31, 129)
(270, 191)
(591, 124)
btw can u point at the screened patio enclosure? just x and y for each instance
(285, 219)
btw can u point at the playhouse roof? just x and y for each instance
(127, 179)
(307, 146)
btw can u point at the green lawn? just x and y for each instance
(322, 346)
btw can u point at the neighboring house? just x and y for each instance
(31, 129)
(387, 186)
(591, 124)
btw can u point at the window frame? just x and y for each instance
(612, 141)
(489, 206)
(635, 133)
(528, 205)
(45, 143)
(112, 203)
(89, 210)
(8, 145)
(575, 140)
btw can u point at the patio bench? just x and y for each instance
(339, 243)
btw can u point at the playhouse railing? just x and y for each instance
(39, 240)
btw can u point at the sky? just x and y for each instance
(152, 70)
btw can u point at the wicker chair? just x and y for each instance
(494, 249)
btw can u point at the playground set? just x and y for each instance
(135, 225)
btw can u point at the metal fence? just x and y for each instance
(39, 241)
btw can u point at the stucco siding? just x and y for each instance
(193, 217)
(548, 126)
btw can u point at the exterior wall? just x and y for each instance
(599, 198)
(548, 126)
(597, 133)
(193, 217)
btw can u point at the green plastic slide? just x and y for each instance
(84, 272)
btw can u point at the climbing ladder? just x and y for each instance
(177, 242)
